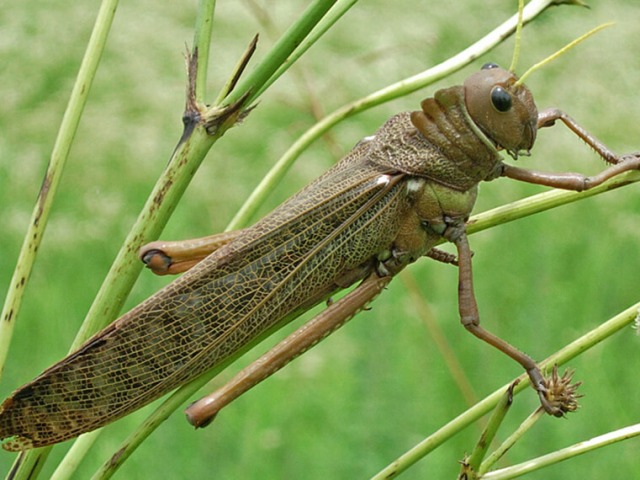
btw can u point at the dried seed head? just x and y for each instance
(561, 394)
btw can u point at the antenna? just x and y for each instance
(563, 50)
(516, 47)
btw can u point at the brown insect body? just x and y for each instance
(380, 208)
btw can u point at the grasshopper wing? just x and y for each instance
(286, 263)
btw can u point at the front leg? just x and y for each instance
(574, 181)
(548, 118)
(571, 181)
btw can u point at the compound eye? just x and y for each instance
(501, 99)
(489, 66)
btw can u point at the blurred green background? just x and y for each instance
(378, 386)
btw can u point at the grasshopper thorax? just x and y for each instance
(502, 109)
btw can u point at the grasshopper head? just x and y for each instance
(504, 111)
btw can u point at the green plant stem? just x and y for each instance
(544, 201)
(565, 453)
(337, 11)
(67, 467)
(57, 162)
(202, 44)
(582, 344)
(278, 55)
(386, 94)
(29, 464)
(471, 466)
(523, 428)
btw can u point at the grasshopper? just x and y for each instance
(386, 204)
